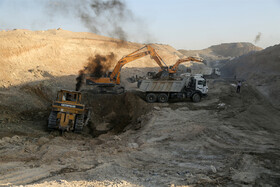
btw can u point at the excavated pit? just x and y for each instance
(115, 113)
(109, 113)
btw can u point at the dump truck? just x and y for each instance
(207, 72)
(213, 73)
(186, 86)
(68, 113)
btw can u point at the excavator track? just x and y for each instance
(52, 121)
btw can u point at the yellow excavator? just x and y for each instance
(174, 68)
(111, 82)
(169, 73)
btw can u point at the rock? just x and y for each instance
(213, 169)
(43, 140)
(133, 145)
(156, 108)
(117, 138)
(102, 127)
(14, 139)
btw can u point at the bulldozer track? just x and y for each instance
(52, 121)
(79, 124)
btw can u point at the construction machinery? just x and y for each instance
(68, 113)
(173, 69)
(212, 73)
(110, 83)
(161, 90)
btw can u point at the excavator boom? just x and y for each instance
(174, 68)
(114, 78)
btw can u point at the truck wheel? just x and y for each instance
(162, 98)
(196, 97)
(151, 97)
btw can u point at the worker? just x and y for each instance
(238, 87)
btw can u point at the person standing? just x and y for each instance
(238, 87)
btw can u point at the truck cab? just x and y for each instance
(217, 71)
(200, 84)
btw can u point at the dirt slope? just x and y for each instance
(228, 139)
(225, 140)
(222, 52)
(262, 69)
(35, 55)
(34, 64)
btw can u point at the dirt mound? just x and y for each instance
(217, 54)
(261, 69)
(115, 113)
(228, 139)
(28, 56)
(35, 64)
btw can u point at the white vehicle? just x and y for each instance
(211, 73)
(194, 87)
(207, 72)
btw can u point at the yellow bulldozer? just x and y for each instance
(68, 113)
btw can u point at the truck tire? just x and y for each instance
(52, 121)
(162, 98)
(151, 98)
(79, 123)
(196, 97)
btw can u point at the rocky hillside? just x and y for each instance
(262, 69)
(221, 52)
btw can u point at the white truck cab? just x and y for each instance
(201, 84)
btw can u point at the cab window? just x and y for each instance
(200, 82)
(69, 97)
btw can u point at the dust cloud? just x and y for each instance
(96, 66)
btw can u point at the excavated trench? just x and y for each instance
(115, 113)
(109, 113)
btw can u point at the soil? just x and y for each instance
(228, 139)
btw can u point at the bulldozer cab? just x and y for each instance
(69, 96)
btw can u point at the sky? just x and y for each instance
(183, 24)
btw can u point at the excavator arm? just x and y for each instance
(115, 75)
(156, 57)
(174, 68)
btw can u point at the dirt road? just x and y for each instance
(228, 139)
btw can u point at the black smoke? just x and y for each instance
(106, 17)
(97, 66)
(258, 37)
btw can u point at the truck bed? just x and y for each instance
(162, 85)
